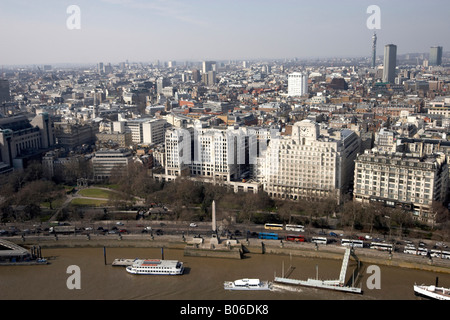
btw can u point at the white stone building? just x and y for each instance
(403, 179)
(310, 163)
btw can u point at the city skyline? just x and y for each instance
(142, 31)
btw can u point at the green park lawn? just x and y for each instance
(95, 193)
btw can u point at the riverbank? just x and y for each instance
(253, 246)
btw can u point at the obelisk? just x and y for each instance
(213, 223)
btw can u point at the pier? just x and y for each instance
(337, 285)
(13, 254)
(123, 262)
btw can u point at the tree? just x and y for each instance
(35, 192)
(401, 218)
(352, 214)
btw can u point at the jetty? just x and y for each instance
(337, 285)
(13, 254)
(121, 262)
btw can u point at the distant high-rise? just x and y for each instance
(390, 60)
(435, 56)
(208, 66)
(209, 78)
(196, 75)
(161, 83)
(297, 84)
(100, 68)
(374, 49)
(4, 91)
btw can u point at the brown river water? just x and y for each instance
(202, 280)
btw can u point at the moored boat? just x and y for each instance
(156, 266)
(247, 284)
(432, 292)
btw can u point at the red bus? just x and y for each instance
(296, 238)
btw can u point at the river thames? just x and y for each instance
(203, 278)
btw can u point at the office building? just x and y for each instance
(107, 162)
(143, 131)
(178, 151)
(153, 131)
(161, 83)
(4, 91)
(72, 135)
(297, 84)
(220, 155)
(209, 78)
(400, 179)
(22, 140)
(209, 66)
(100, 69)
(311, 163)
(196, 75)
(435, 56)
(390, 62)
(114, 139)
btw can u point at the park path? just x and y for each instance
(70, 197)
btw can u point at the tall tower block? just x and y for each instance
(390, 61)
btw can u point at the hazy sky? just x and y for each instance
(35, 31)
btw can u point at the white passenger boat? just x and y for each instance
(432, 292)
(247, 284)
(156, 266)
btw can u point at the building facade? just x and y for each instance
(107, 162)
(401, 179)
(310, 164)
(216, 154)
(21, 139)
(435, 56)
(297, 84)
(5, 95)
(390, 62)
(143, 131)
(72, 135)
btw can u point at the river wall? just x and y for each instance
(253, 246)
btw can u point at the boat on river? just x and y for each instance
(247, 284)
(432, 292)
(156, 266)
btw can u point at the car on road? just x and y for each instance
(193, 225)
(333, 234)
